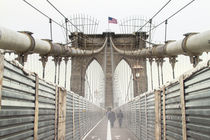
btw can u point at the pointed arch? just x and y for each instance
(91, 60)
(123, 83)
(94, 84)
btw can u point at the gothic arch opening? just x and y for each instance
(122, 83)
(94, 83)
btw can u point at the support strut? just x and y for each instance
(66, 59)
(161, 68)
(157, 60)
(194, 60)
(150, 61)
(56, 64)
(173, 61)
(44, 60)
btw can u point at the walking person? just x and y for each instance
(111, 118)
(120, 118)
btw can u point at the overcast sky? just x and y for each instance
(17, 15)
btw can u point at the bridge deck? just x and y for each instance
(103, 131)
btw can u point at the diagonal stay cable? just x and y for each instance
(46, 15)
(49, 18)
(166, 20)
(155, 15)
(64, 16)
(172, 15)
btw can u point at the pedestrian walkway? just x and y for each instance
(103, 131)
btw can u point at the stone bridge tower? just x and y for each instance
(105, 57)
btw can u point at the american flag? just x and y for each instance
(112, 20)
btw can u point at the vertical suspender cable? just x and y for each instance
(65, 59)
(166, 22)
(50, 21)
(150, 26)
(87, 25)
(66, 20)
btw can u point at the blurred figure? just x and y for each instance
(120, 118)
(108, 110)
(111, 118)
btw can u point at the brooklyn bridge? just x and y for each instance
(103, 85)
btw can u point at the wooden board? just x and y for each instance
(140, 118)
(1, 74)
(36, 115)
(145, 99)
(73, 117)
(157, 115)
(182, 96)
(56, 112)
(164, 113)
(61, 114)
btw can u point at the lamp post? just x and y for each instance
(137, 73)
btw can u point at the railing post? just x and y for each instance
(164, 113)
(157, 115)
(73, 115)
(182, 96)
(145, 99)
(56, 112)
(1, 74)
(61, 114)
(140, 119)
(79, 115)
(36, 114)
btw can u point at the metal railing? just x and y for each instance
(31, 108)
(178, 110)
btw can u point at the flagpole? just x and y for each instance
(108, 24)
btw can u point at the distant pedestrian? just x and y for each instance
(120, 118)
(111, 118)
(108, 110)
